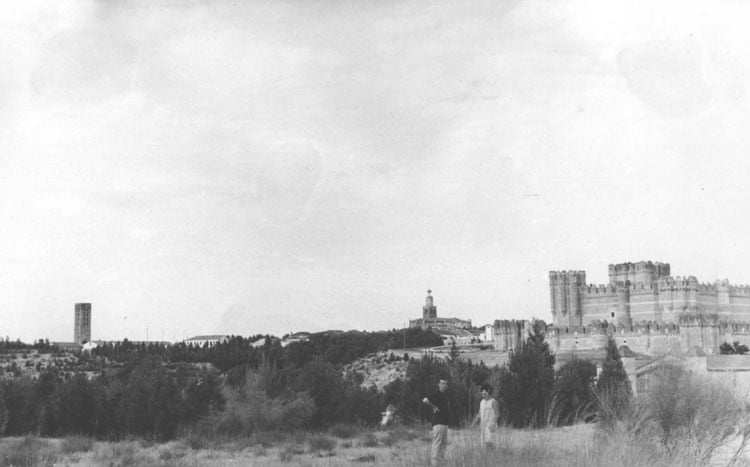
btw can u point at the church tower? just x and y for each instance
(82, 328)
(429, 310)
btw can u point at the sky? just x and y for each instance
(204, 167)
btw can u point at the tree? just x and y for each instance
(734, 348)
(573, 395)
(613, 387)
(3, 413)
(527, 380)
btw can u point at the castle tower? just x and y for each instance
(643, 272)
(623, 305)
(565, 297)
(82, 328)
(429, 310)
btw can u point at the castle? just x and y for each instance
(643, 292)
(642, 308)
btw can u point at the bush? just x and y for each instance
(286, 454)
(321, 443)
(342, 430)
(527, 380)
(369, 440)
(573, 396)
(76, 443)
(613, 387)
(249, 409)
(734, 348)
(29, 451)
(695, 415)
(195, 441)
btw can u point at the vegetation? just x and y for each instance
(279, 404)
(573, 395)
(613, 387)
(733, 348)
(526, 384)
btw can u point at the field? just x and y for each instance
(580, 445)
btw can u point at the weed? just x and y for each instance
(343, 430)
(321, 443)
(269, 438)
(286, 454)
(369, 440)
(76, 443)
(29, 451)
(195, 441)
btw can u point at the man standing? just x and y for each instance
(441, 418)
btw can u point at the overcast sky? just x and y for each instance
(199, 167)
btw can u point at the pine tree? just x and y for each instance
(613, 386)
(527, 380)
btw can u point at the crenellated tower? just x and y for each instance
(565, 297)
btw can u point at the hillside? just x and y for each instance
(381, 368)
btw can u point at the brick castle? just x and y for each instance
(643, 308)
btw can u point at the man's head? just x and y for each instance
(486, 391)
(443, 384)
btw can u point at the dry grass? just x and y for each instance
(583, 445)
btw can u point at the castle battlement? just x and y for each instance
(600, 289)
(639, 291)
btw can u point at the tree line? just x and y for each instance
(235, 388)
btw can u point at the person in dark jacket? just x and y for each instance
(442, 412)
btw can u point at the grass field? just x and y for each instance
(579, 445)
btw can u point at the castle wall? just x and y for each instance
(739, 305)
(599, 303)
(644, 303)
(508, 334)
(648, 339)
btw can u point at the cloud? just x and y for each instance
(285, 181)
(85, 64)
(668, 75)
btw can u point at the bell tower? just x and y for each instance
(429, 310)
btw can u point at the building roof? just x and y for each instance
(208, 337)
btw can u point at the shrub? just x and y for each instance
(249, 409)
(268, 438)
(369, 440)
(527, 380)
(286, 454)
(195, 441)
(695, 415)
(573, 397)
(171, 454)
(733, 348)
(342, 430)
(29, 451)
(613, 387)
(321, 443)
(76, 443)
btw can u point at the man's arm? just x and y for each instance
(426, 401)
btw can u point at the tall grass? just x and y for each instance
(29, 451)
